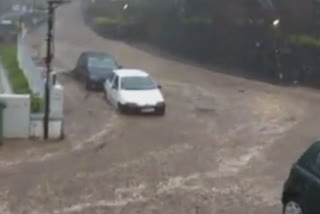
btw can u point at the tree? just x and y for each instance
(296, 15)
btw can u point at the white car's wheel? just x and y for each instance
(119, 108)
(292, 207)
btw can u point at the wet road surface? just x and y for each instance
(225, 145)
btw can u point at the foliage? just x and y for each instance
(36, 103)
(197, 20)
(203, 7)
(111, 9)
(106, 21)
(305, 40)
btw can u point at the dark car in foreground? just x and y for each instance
(301, 194)
(94, 68)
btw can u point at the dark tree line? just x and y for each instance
(230, 32)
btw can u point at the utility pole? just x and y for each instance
(52, 5)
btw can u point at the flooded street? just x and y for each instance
(225, 145)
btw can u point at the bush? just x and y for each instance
(36, 103)
(106, 21)
(305, 40)
(114, 27)
(197, 20)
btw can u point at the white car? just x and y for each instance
(134, 91)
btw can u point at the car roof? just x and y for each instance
(315, 146)
(130, 73)
(309, 154)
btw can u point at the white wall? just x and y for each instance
(56, 116)
(18, 123)
(56, 102)
(30, 69)
(55, 128)
(16, 116)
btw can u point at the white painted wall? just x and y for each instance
(30, 69)
(55, 128)
(18, 123)
(16, 116)
(56, 116)
(56, 102)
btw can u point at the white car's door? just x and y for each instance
(114, 93)
(108, 85)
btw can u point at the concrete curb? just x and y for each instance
(4, 81)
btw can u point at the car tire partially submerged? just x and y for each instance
(162, 111)
(293, 206)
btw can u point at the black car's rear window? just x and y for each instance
(101, 62)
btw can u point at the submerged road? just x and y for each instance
(225, 145)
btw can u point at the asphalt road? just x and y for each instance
(225, 145)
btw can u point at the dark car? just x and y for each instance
(94, 68)
(301, 193)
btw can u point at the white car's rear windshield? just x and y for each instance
(137, 83)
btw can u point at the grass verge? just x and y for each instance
(17, 79)
(16, 76)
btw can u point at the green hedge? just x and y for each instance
(305, 40)
(18, 81)
(106, 21)
(37, 103)
(197, 20)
